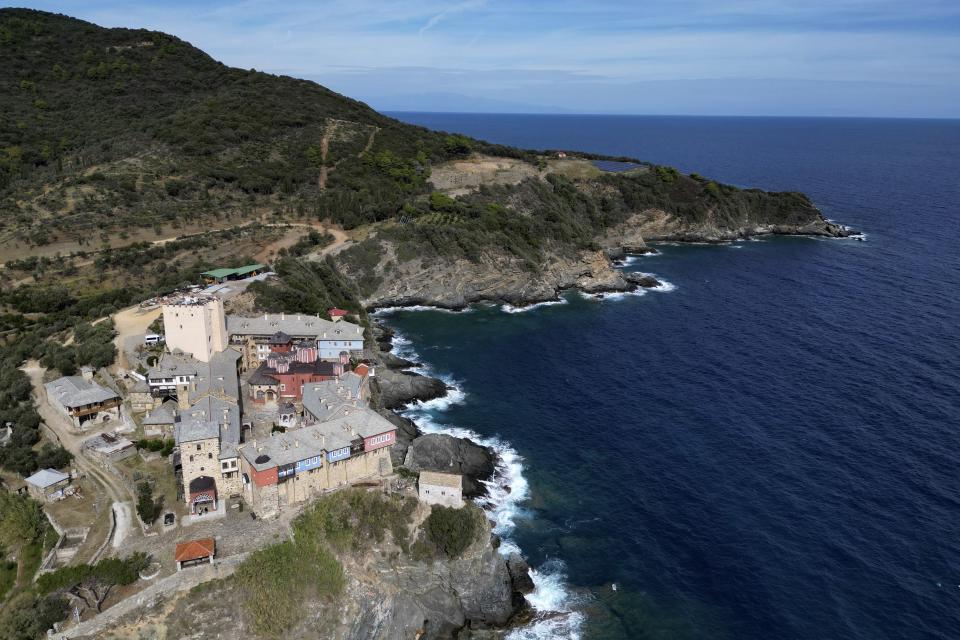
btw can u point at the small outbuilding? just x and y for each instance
(47, 485)
(238, 273)
(108, 447)
(444, 489)
(194, 552)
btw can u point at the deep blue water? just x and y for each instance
(772, 449)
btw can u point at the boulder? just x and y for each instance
(641, 279)
(407, 431)
(392, 361)
(447, 454)
(400, 388)
(519, 574)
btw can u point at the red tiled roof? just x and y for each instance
(337, 312)
(195, 549)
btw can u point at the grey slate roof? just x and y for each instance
(192, 430)
(210, 409)
(323, 399)
(174, 364)
(47, 478)
(293, 325)
(217, 376)
(289, 447)
(166, 413)
(74, 391)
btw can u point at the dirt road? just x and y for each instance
(128, 323)
(114, 488)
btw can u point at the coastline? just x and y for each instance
(554, 609)
(595, 272)
(550, 608)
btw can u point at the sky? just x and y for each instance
(877, 58)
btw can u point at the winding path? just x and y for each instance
(114, 488)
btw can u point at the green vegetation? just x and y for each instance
(449, 532)
(163, 446)
(306, 287)
(115, 131)
(106, 573)
(28, 616)
(148, 507)
(8, 574)
(211, 142)
(21, 521)
(350, 520)
(304, 568)
(309, 243)
(23, 529)
(279, 579)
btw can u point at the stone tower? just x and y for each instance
(196, 325)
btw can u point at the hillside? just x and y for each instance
(116, 141)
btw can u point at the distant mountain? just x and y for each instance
(457, 103)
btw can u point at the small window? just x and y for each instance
(210, 456)
(191, 458)
(198, 447)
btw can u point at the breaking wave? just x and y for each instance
(555, 606)
(384, 311)
(507, 490)
(509, 308)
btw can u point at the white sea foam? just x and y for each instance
(507, 490)
(555, 607)
(509, 308)
(664, 286)
(384, 311)
(617, 295)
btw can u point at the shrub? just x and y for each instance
(27, 617)
(147, 507)
(350, 519)
(451, 530)
(279, 578)
(111, 571)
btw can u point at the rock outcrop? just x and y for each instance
(407, 432)
(457, 284)
(445, 453)
(400, 388)
(437, 600)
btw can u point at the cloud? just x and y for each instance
(458, 8)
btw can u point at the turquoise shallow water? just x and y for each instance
(769, 449)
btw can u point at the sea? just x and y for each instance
(767, 446)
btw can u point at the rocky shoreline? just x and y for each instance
(594, 273)
(504, 580)
(504, 279)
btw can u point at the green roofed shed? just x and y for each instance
(222, 274)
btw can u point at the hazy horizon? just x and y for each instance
(823, 58)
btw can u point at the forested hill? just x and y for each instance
(108, 134)
(101, 127)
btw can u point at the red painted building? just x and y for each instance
(264, 478)
(284, 381)
(380, 441)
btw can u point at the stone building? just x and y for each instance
(82, 401)
(195, 325)
(259, 336)
(47, 485)
(444, 489)
(295, 466)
